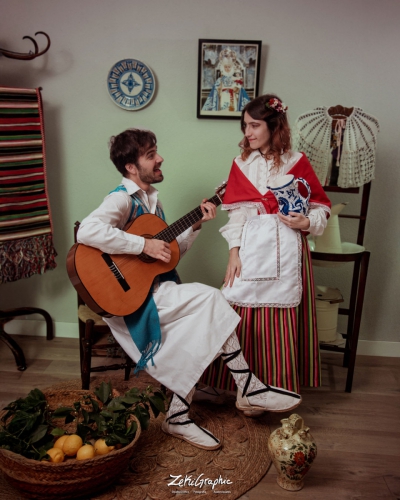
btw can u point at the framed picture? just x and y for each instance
(228, 78)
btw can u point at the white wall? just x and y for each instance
(315, 52)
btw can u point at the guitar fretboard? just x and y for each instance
(178, 227)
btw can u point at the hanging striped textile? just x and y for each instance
(26, 243)
(280, 345)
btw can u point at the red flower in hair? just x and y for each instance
(277, 105)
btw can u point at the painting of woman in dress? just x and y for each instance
(228, 77)
(227, 93)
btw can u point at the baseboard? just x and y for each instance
(378, 348)
(70, 330)
(37, 328)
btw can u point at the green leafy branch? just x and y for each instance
(28, 426)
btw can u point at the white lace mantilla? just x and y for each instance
(357, 159)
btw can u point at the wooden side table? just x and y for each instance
(8, 315)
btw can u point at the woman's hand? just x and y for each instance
(234, 267)
(295, 221)
(209, 212)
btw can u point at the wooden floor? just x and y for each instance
(357, 434)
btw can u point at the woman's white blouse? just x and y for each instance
(259, 172)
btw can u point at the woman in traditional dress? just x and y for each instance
(269, 279)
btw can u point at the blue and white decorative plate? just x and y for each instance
(131, 84)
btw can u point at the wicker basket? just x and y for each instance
(71, 479)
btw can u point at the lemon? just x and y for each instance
(72, 444)
(60, 441)
(101, 448)
(56, 455)
(87, 451)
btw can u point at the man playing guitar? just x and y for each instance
(180, 328)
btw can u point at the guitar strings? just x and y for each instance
(171, 232)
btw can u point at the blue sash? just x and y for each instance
(144, 324)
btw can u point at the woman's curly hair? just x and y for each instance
(278, 126)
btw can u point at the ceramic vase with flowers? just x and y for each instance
(293, 450)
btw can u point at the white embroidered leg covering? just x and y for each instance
(179, 408)
(252, 393)
(208, 394)
(178, 424)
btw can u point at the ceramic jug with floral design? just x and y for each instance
(293, 450)
(287, 194)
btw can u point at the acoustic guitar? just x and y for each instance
(118, 284)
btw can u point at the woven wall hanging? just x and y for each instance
(26, 241)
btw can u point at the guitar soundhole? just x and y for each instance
(144, 257)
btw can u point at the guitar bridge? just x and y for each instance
(116, 272)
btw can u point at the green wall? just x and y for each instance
(314, 53)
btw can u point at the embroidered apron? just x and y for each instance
(270, 253)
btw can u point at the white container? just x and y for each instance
(347, 248)
(330, 241)
(327, 302)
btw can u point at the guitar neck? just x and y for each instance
(178, 227)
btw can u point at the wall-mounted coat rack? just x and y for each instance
(30, 55)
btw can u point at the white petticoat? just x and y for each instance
(195, 322)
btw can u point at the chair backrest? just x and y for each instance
(76, 227)
(92, 342)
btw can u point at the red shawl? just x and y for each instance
(240, 189)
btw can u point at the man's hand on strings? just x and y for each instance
(209, 212)
(157, 249)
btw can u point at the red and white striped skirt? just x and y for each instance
(280, 345)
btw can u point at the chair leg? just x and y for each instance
(82, 327)
(128, 367)
(87, 354)
(15, 348)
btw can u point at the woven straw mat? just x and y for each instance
(243, 458)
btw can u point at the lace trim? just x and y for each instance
(321, 205)
(278, 259)
(299, 284)
(248, 204)
(275, 304)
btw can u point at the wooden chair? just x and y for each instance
(96, 339)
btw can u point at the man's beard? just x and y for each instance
(150, 178)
